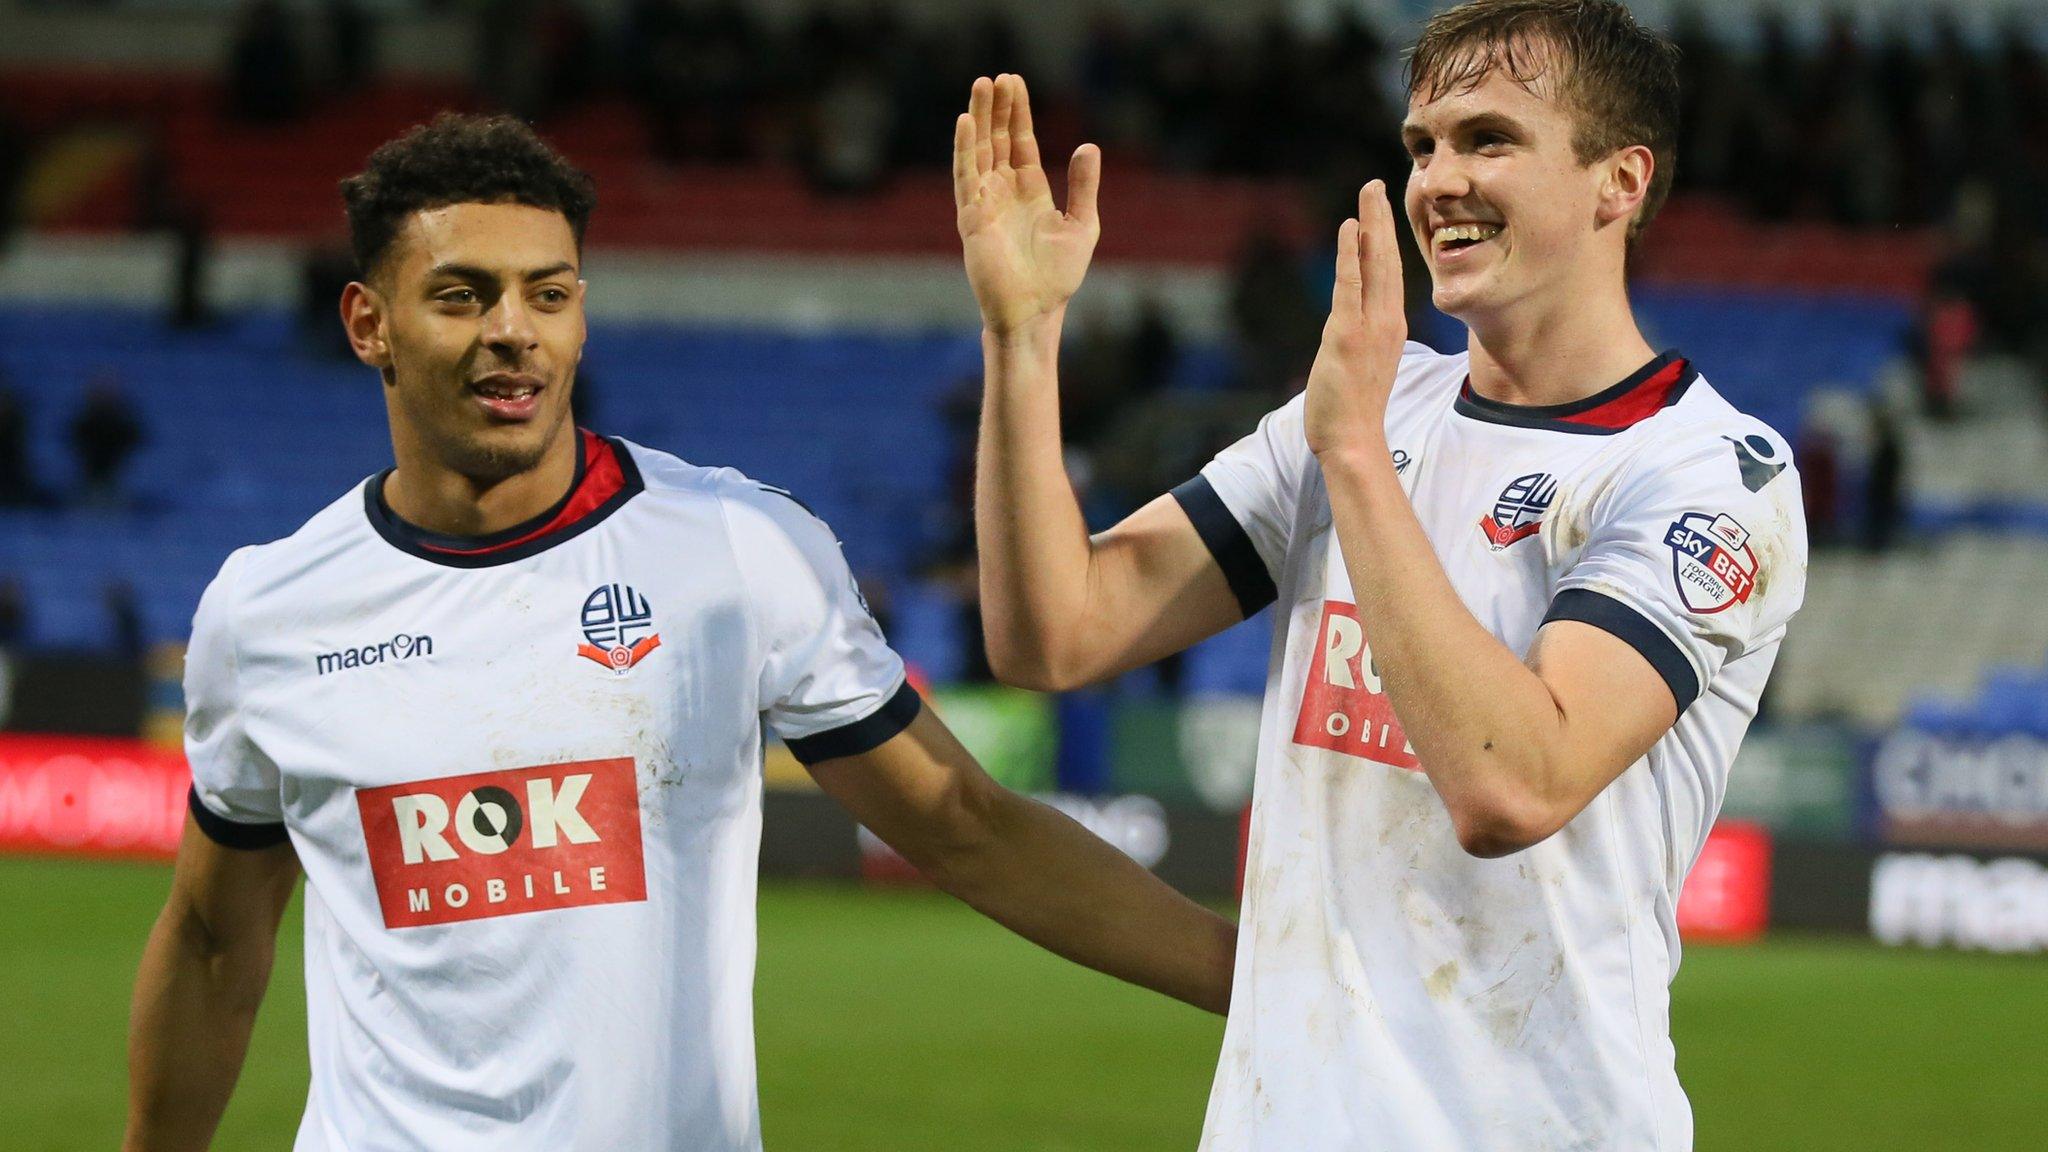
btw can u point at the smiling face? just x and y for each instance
(1506, 215)
(475, 318)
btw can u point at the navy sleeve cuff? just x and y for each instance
(1229, 544)
(863, 735)
(232, 833)
(1634, 629)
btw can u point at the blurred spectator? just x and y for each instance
(583, 396)
(1820, 464)
(327, 270)
(351, 45)
(266, 81)
(952, 565)
(13, 637)
(535, 57)
(158, 202)
(15, 155)
(508, 55)
(1277, 324)
(851, 121)
(103, 436)
(1884, 485)
(13, 614)
(124, 619)
(1948, 335)
(697, 70)
(191, 262)
(566, 54)
(1154, 350)
(17, 482)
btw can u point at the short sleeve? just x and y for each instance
(1243, 502)
(1695, 556)
(235, 797)
(830, 685)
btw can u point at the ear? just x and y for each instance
(362, 315)
(1629, 172)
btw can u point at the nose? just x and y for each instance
(508, 326)
(1445, 177)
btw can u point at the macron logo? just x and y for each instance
(399, 647)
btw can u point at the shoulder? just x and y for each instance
(308, 553)
(1703, 464)
(1704, 441)
(748, 506)
(754, 513)
(1425, 374)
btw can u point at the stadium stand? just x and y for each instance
(249, 434)
(1789, 312)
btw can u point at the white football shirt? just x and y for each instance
(525, 786)
(1392, 991)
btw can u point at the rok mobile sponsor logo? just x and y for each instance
(400, 647)
(1711, 560)
(495, 843)
(1936, 901)
(1344, 707)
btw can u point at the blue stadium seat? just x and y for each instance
(249, 435)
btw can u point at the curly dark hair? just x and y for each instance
(459, 159)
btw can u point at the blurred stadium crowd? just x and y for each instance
(1857, 250)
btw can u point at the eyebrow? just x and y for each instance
(1479, 122)
(472, 272)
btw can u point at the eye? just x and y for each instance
(554, 296)
(1491, 142)
(1420, 147)
(460, 297)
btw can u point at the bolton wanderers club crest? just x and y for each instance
(1518, 514)
(618, 628)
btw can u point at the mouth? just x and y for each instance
(1452, 242)
(513, 397)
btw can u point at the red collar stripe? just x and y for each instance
(601, 480)
(1639, 403)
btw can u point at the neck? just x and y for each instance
(427, 494)
(1566, 352)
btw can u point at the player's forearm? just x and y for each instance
(195, 1004)
(1039, 873)
(1484, 726)
(1030, 535)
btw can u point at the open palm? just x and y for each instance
(1025, 257)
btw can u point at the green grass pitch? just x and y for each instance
(902, 1021)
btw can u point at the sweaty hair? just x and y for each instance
(459, 159)
(1620, 78)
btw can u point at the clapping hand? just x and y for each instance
(1025, 257)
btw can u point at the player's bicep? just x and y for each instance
(1159, 589)
(1612, 706)
(920, 791)
(234, 896)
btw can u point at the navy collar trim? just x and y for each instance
(1584, 416)
(487, 551)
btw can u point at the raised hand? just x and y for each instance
(1362, 340)
(1025, 257)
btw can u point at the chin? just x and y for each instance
(1454, 301)
(1466, 297)
(499, 453)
